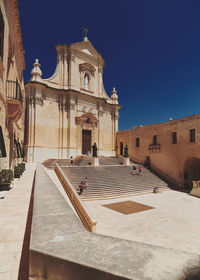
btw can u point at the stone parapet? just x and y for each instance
(61, 248)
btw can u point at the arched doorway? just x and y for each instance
(191, 171)
(87, 122)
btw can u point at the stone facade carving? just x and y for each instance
(72, 106)
(87, 67)
(87, 120)
(66, 91)
(39, 101)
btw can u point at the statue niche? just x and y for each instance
(86, 81)
(87, 72)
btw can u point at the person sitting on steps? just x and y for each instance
(134, 170)
(83, 185)
(140, 170)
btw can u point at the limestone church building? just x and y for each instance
(68, 112)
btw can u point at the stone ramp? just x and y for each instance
(113, 181)
(50, 163)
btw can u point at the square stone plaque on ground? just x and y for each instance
(128, 207)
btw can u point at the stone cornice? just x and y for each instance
(160, 125)
(19, 33)
(33, 84)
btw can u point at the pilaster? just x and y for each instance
(71, 70)
(100, 82)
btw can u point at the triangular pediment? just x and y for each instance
(86, 47)
(86, 51)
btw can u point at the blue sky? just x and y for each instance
(151, 50)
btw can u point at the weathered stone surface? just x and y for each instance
(180, 161)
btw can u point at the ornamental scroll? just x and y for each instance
(87, 120)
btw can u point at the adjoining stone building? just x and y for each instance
(171, 148)
(12, 96)
(69, 111)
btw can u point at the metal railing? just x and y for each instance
(13, 90)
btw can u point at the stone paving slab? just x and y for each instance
(173, 223)
(68, 256)
(13, 216)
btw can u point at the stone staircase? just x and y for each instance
(83, 161)
(87, 160)
(113, 181)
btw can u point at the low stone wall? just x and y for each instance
(76, 202)
(61, 248)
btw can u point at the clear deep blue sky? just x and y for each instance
(151, 50)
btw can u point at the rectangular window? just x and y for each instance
(1, 34)
(174, 138)
(137, 142)
(192, 135)
(2, 145)
(155, 140)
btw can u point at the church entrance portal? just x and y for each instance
(86, 141)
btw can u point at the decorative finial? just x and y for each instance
(114, 96)
(36, 72)
(85, 32)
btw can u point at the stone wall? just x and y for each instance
(176, 160)
(11, 68)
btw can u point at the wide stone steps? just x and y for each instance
(107, 182)
(83, 161)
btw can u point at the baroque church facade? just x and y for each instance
(70, 111)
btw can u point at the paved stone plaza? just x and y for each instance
(172, 223)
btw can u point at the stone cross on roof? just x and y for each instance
(85, 32)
